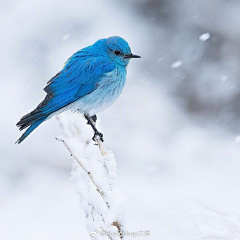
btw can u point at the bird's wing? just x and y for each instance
(79, 77)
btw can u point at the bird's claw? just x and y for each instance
(97, 135)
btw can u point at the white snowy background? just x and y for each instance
(174, 129)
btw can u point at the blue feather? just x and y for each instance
(30, 129)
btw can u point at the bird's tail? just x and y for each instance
(27, 121)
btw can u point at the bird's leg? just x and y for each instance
(94, 118)
(87, 118)
(96, 132)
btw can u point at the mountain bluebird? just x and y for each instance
(90, 81)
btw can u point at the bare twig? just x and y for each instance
(119, 227)
(88, 172)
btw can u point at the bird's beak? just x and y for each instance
(131, 56)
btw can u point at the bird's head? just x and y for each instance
(119, 51)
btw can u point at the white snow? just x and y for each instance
(100, 211)
(196, 16)
(176, 64)
(204, 37)
(236, 140)
(65, 37)
(224, 78)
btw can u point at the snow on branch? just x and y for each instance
(95, 173)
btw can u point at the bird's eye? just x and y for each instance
(117, 52)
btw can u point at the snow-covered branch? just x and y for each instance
(95, 172)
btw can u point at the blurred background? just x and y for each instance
(175, 129)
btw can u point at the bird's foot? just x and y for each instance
(94, 118)
(97, 135)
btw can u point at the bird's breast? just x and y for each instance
(107, 91)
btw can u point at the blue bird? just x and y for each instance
(90, 81)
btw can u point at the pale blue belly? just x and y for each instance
(106, 93)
